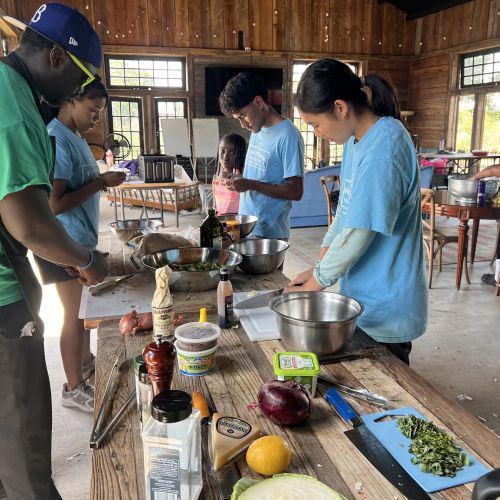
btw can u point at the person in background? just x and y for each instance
(230, 160)
(75, 200)
(374, 246)
(274, 165)
(59, 52)
(489, 278)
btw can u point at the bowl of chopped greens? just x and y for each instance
(193, 269)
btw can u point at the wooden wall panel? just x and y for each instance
(281, 24)
(155, 23)
(429, 98)
(260, 29)
(195, 31)
(168, 23)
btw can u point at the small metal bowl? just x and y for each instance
(319, 322)
(247, 222)
(192, 281)
(464, 189)
(260, 256)
(126, 230)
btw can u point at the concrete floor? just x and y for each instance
(458, 354)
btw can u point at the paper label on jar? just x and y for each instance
(164, 473)
(291, 362)
(217, 243)
(163, 322)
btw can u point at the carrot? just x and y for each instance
(200, 403)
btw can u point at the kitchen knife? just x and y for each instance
(261, 300)
(373, 450)
(110, 283)
(224, 479)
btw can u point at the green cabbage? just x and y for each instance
(284, 487)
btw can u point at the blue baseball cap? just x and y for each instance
(66, 27)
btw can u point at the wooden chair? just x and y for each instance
(436, 238)
(329, 183)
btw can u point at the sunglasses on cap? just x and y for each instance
(90, 76)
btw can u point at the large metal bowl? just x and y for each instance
(192, 281)
(247, 222)
(126, 230)
(319, 322)
(260, 256)
(464, 189)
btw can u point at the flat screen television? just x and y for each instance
(216, 78)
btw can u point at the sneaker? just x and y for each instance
(89, 369)
(488, 279)
(82, 397)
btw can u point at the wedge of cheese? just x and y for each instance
(229, 436)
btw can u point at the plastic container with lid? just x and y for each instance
(195, 363)
(300, 367)
(197, 336)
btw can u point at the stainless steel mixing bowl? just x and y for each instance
(126, 230)
(192, 281)
(247, 222)
(260, 256)
(319, 322)
(464, 189)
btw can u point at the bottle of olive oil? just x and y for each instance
(211, 231)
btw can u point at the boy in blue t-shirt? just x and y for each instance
(274, 165)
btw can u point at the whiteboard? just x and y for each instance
(176, 137)
(205, 137)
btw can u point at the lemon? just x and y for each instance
(269, 455)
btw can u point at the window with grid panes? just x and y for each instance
(311, 142)
(480, 68)
(150, 72)
(479, 102)
(125, 117)
(168, 108)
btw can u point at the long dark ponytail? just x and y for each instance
(327, 80)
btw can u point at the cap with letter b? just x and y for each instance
(66, 27)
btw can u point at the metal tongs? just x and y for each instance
(362, 394)
(97, 434)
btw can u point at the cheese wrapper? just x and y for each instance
(229, 437)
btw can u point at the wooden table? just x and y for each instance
(320, 447)
(144, 188)
(462, 163)
(445, 204)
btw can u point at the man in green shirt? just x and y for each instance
(59, 53)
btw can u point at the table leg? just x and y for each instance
(463, 229)
(115, 203)
(123, 204)
(161, 208)
(475, 230)
(176, 196)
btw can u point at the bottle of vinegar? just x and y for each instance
(225, 300)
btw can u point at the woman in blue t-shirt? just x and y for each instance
(75, 201)
(374, 246)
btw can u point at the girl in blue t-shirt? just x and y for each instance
(75, 201)
(374, 246)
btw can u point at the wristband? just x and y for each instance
(89, 262)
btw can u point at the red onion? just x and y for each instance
(129, 322)
(285, 403)
(145, 322)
